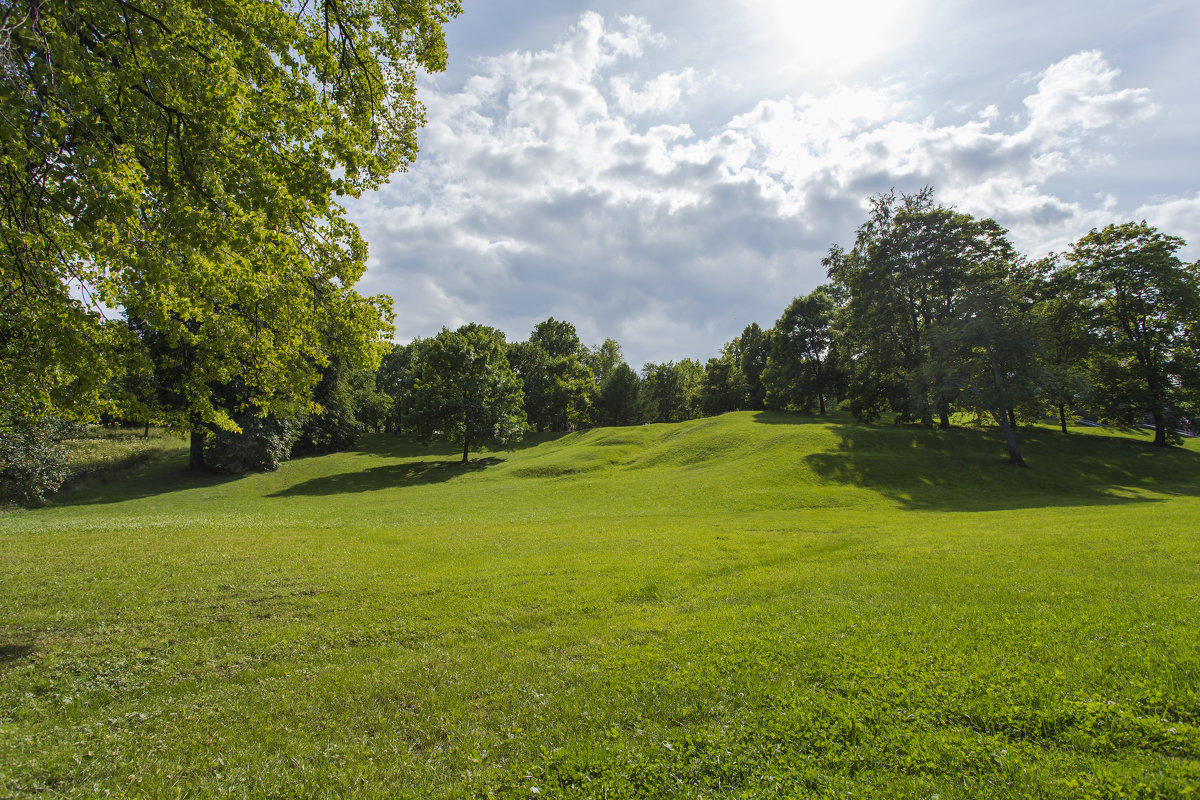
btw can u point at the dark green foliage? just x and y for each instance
(559, 387)
(334, 427)
(724, 386)
(754, 347)
(617, 402)
(396, 377)
(262, 445)
(673, 391)
(33, 462)
(799, 374)
(1143, 305)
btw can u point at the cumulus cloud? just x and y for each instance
(557, 182)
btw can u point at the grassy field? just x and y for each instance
(755, 605)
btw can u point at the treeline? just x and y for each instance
(929, 313)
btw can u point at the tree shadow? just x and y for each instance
(160, 476)
(10, 653)
(966, 469)
(388, 476)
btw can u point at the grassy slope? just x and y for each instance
(755, 603)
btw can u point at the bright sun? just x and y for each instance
(833, 36)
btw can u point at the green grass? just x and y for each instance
(754, 605)
(99, 453)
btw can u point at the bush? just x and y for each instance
(263, 444)
(33, 461)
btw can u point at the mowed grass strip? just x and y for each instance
(751, 605)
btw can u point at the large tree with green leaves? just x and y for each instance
(181, 161)
(1143, 303)
(904, 277)
(464, 390)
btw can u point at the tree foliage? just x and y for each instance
(182, 160)
(464, 390)
(559, 386)
(799, 372)
(1143, 304)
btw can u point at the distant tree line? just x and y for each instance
(929, 313)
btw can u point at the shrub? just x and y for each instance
(263, 444)
(33, 461)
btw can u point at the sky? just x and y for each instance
(664, 173)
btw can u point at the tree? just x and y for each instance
(559, 386)
(1067, 341)
(464, 390)
(603, 360)
(903, 278)
(672, 392)
(332, 425)
(618, 399)
(396, 378)
(798, 371)
(1144, 305)
(754, 347)
(990, 350)
(724, 386)
(181, 161)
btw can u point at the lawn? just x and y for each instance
(754, 605)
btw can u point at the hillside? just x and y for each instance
(750, 604)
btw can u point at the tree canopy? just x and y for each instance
(464, 390)
(1143, 304)
(180, 161)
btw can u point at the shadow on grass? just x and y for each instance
(966, 469)
(389, 476)
(156, 477)
(10, 653)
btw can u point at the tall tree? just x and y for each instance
(990, 349)
(396, 377)
(754, 347)
(672, 391)
(902, 279)
(465, 391)
(559, 386)
(182, 161)
(1144, 305)
(1067, 342)
(603, 359)
(798, 372)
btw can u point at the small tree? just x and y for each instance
(464, 390)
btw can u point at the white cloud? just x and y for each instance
(555, 183)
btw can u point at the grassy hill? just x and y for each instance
(751, 605)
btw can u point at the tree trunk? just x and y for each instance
(943, 418)
(1006, 421)
(1014, 452)
(1062, 417)
(196, 451)
(1160, 429)
(820, 403)
(466, 449)
(146, 433)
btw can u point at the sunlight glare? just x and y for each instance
(832, 37)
